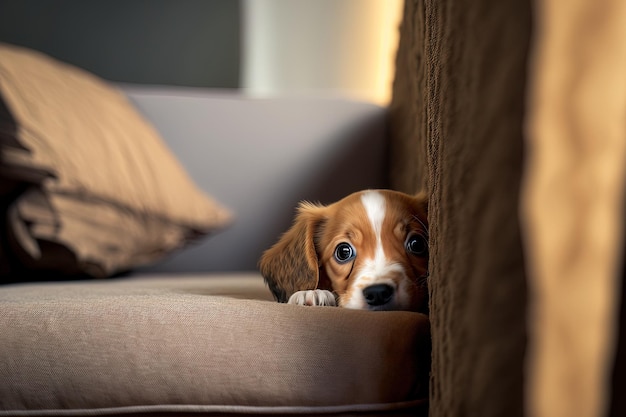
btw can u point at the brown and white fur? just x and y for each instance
(367, 251)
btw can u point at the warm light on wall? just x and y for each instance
(339, 47)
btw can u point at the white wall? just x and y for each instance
(338, 47)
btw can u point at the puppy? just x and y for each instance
(367, 251)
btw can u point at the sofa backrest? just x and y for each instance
(260, 157)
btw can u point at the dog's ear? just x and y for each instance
(292, 264)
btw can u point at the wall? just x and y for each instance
(337, 47)
(182, 42)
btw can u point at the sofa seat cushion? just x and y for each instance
(202, 344)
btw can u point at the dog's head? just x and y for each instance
(370, 249)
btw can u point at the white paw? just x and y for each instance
(313, 298)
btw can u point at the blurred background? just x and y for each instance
(265, 47)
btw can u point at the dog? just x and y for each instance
(367, 251)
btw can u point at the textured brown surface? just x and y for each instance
(203, 343)
(408, 153)
(458, 105)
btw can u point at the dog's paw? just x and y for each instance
(313, 298)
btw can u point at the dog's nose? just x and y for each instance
(377, 295)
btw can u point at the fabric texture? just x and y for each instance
(520, 121)
(91, 187)
(458, 102)
(574, 205)
(209, 343)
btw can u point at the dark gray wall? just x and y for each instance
(172, 42)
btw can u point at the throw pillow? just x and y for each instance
(88, 185)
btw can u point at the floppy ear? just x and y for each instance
(292, 265)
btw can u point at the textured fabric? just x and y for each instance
(211, 342)
(408, 154)
(573, 205)
(459, 96)
(98, 179)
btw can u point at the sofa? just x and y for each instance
(510, 114)
(133, 220)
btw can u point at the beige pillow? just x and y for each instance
(94, 190)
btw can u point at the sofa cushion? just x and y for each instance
(89, 187)
(202, 344)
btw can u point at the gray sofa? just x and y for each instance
(260, 157)
(186, 324)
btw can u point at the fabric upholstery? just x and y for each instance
(458, 103)
(245, 148)
(93, 184)
(519, 118)
(574, 205)
(202, 344)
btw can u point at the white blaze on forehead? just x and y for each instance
(374, 204)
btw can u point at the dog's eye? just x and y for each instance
(344, 252)
(417, 245)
